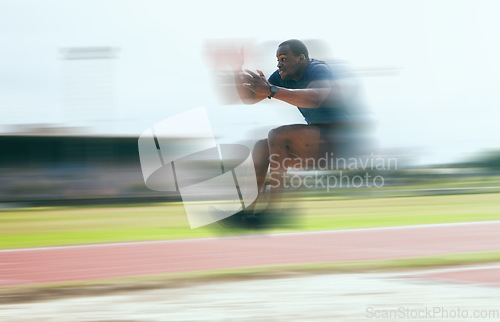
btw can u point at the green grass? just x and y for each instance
(70, 226)
(381, 212)
(55, 226)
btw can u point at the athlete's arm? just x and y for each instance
(246, 94)
(311, 97)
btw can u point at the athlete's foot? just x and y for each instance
(235, 221)
(273, 217)
(270, 217)
(251, 221)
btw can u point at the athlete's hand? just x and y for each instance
(257, 83)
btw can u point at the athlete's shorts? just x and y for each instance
(338, 140)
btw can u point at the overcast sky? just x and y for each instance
(443, 100)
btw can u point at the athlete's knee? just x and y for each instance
(278, 135)
(261, 145)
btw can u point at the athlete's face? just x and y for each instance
(288, 63)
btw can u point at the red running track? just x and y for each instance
(60, 264)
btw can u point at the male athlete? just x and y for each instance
(309, 85)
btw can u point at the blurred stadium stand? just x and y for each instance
(51, 169)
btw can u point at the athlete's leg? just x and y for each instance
(260, 155)
(289, 146)
(286, 146)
